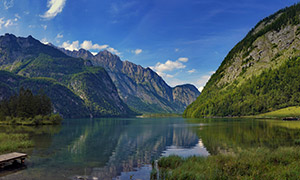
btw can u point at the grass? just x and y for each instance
(260, 163)
(14, 142)
(53, 119)
(293, 111)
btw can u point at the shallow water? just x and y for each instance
(124, 148)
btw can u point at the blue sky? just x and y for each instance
(184, 41)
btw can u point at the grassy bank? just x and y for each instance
(14, 142)
(293, 111)
(52, 119)
(261, 163)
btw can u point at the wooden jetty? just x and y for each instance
(12, 157)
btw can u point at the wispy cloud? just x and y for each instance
(8, 4)
(112, 50)
(192, 71)
(55, 7)
(44, 26)
(137, 51)
(59, 36)
(17, 16)
(183, 59)
(8, 22)
(121, 8)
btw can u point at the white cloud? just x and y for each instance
(44, 41)
(59, 36)
(55, 7)
(71, 46)
(18, 16)
(168, 66)
(1, 22)
(44, 27)
(112, 50)
(137, 51)
(183, 59)
(7, 23)
(89, 45)
(200, 88)
(176, 49)
(192, 71)
(94, 53)
(203, 80)
(8, 4)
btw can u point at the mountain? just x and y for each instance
(65, 79)
(140, 88)
(260, 74)
(64, 101)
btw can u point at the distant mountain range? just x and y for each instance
(79, 86)
(140, 88)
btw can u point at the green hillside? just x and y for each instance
(76, 89)
(260, 74)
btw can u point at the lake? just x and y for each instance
(123, 148)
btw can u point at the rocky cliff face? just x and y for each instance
(141, 88)
(273, 44)
(92, 85)
(185, 94)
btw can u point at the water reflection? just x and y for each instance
(198, 150)
(124, 148)
(227, 136)
(104, 148)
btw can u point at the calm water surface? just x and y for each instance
(124, 148)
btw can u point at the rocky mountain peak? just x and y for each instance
(139, 87)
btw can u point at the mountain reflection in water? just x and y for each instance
(105, 148)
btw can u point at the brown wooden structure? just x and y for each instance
(12, 157)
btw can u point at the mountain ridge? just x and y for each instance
(243, 83)
(141, 88)
(29, 58)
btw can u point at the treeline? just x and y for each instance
(271, 90)
(27, 108)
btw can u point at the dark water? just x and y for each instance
(124, 148)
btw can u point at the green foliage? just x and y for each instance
(287, 16)
(260, 163)
(26, 108)
(13, 142)
(271, 90)
(26, 105)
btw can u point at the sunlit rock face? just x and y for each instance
(139, 87)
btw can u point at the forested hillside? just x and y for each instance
(260, 74)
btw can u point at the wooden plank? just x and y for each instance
(12, 156)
